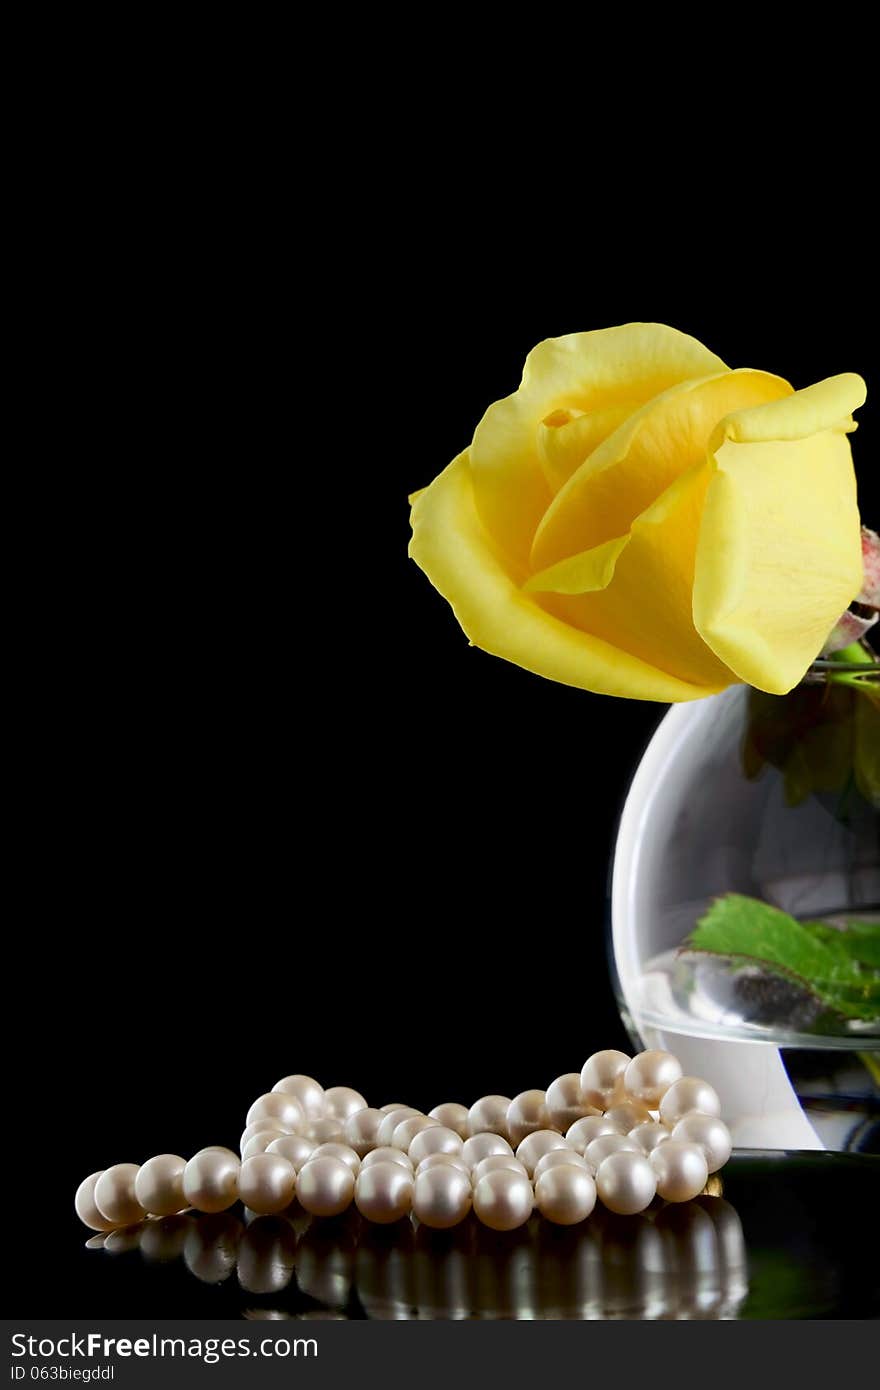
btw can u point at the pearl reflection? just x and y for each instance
(325, 1261)
(266, 1255)
(678, 1261)
(210, 1249)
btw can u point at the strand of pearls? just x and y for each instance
(623, 1130)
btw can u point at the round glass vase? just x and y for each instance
(776, 798)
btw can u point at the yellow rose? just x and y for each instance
(639, 519)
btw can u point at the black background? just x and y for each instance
(278, 815)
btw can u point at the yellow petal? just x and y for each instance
(567, 437)
(779, 553)
(623, 476)
(636, 591)
(451, 545)
(580, 574)
(581, 372)
(825, 406)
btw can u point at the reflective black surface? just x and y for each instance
(782, 1236)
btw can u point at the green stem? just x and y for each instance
(857, 654)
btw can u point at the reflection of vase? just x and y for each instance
(724, 802)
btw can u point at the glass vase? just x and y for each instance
(777, 798)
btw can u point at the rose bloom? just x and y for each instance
(640, 519)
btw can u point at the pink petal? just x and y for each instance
(848, 629)
(870, 592)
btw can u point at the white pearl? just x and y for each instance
(393, 1118)
(599, 1149)
(649, 1135)
(687, 1094)
(210, 1181)
(436, 1140)
(384, 1192)
(710, 1133)
(481, 1145)
(565, 1194)
(158, 1185)
(327, 1130)
(249, 1131)
(680, 1170)
(627, 1115)
(584, 1131)
(325, 1186)
(442, 1160)
(115, 1196)
(342, 1102)
(305, 1089)
(488, 1115)
(259, 1142)
(262, 1127)
(275, 1105)
(536, 1145)
(526, 1113)
(560, 1157)
(361, 1130)
(626, 1183)
(565, 1101)
(386, 1154)
(503, 1200)
(84, 1202)
(602, 1078)
(266, 1183)
(453, 1116)
(342, 1151)
(394, 1105)
(294, 1148)
(219, 1149)
(492, 1163)
(649, 1076)
(441, 1197)
(406, 1131)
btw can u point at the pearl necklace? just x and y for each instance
(623, 1130)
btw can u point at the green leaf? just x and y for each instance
(837, 965)
(860, 940)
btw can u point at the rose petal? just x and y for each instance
(580, 574)
(849, 628)
(827, 405)
(870, 590)
(453, 548)
(637, 591)
(642, 458)
(568, 437)
(581, 372)
(779, 555)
